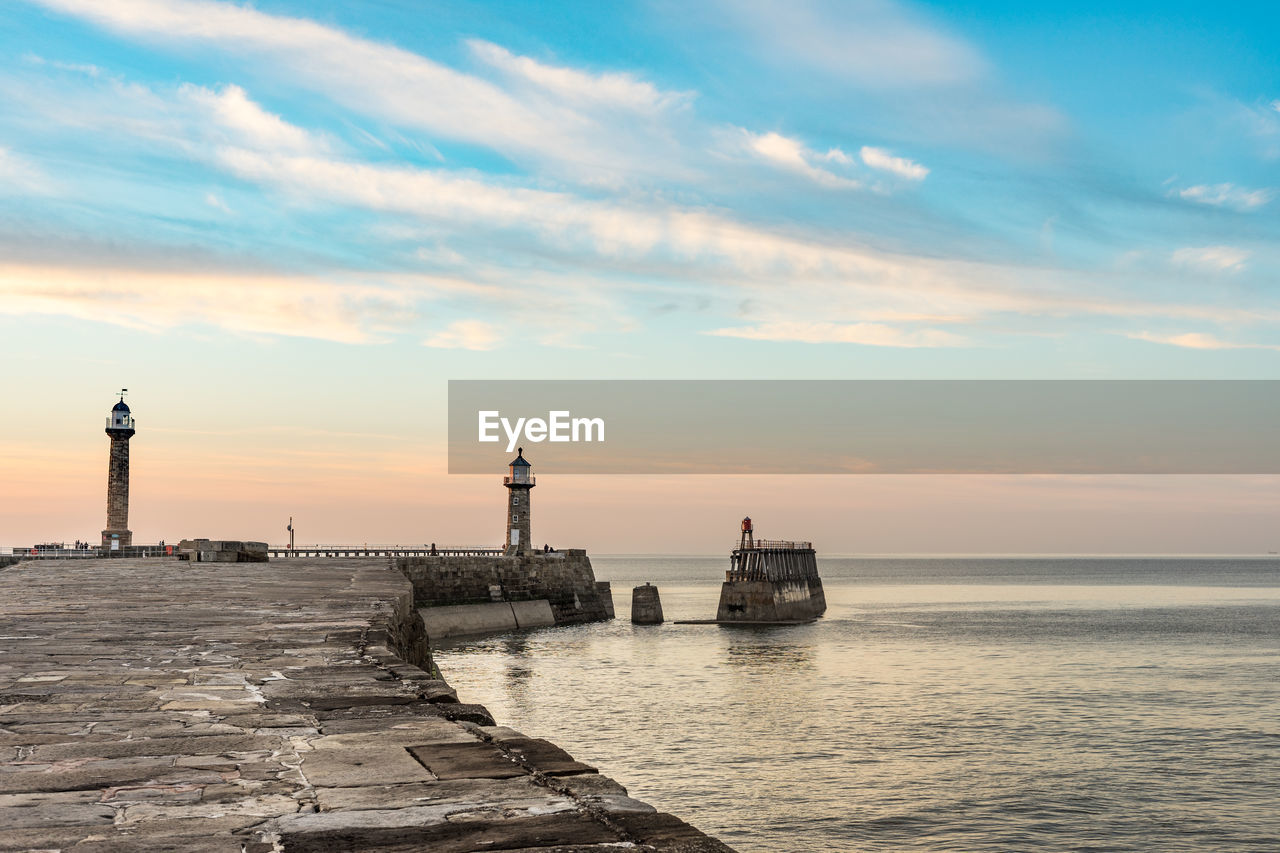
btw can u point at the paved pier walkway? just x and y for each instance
(164, 705)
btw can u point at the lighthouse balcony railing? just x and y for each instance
(520, 481)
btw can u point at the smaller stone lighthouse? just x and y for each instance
(519, 482)
(120, 428)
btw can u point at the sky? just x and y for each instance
(284, 226)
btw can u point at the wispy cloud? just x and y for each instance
(1256, 123)
(673, 243)
(664, 241)
(215, 201)
(252, 304)
(465, 334)
(792, 155)
(866, 334)
(399, 86)
(1226, 195)
(1212, 258)
(252, 125)
(186, 118)
(1198, 340)
(18, 174)
(75, 67)
(937, 84)
(611, 89)
(878, 43)
(878, 158)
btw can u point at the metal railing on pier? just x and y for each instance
(94, 553)
(273, 551)
(773, 545)
(773, 560)
(285, 552)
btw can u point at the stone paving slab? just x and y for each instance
(254, 708)
(545, 756)
(473, 760)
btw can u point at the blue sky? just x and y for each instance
(636, 178)
(284, 203)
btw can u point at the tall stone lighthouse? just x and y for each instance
(120, 426)
(519, 482)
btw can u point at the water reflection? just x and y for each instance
(1010, 713)
(515, 653)
(515, 645)
(766, 655)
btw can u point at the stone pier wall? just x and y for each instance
(563, 578)
(153, 704)
(771, 601)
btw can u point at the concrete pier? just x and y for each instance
(564, 579)
(646, 605)
(771, 581)
(465, 619)
(248, 707)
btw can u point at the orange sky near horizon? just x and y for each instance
(356, 488)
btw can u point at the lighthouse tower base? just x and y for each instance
(116, 540)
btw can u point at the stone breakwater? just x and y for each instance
(165, 705)
(562, 578)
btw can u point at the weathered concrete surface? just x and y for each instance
(646, 605)
(532, 614)
(165, 705)
(222, 551)
(771, 601)
(462, 619)
(563, 578)
(605, 591)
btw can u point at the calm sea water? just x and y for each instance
(941, 704)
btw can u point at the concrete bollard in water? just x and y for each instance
(646, 607)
